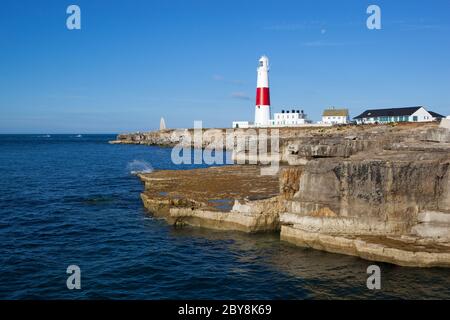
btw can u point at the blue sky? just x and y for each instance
(135, 61)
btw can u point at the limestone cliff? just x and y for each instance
(381, 196)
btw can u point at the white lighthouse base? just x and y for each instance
(262, 116)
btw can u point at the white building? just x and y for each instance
(411, 114)
(289, 118)
(242, 124)
(335, 116)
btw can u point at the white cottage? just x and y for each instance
(335, 116)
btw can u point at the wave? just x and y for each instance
(139, 166)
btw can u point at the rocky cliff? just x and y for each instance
(378, 192)
(388, 191)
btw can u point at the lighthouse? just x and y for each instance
(262, 107)
(287, 118)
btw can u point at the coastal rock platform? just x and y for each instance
(400, 250)
(209, 197)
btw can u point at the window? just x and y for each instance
(415, 118)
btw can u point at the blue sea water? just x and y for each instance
(68, 199)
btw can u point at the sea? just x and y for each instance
(73, 200)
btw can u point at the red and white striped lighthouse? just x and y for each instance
(262, 108)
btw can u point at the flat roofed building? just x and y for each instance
(242, 124)
(289, 118)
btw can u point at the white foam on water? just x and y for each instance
(139, 166)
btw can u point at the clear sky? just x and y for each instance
(135, 61)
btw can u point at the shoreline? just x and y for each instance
(381, 193)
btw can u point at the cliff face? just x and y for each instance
(387, 185)
(379, 189)
(388, 176)
(375, 187)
